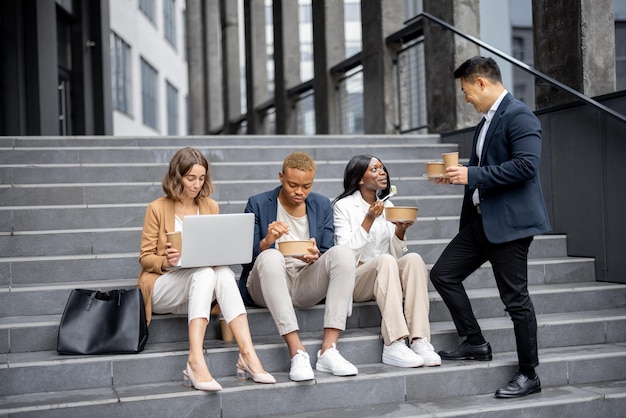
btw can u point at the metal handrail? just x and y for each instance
(517, 63)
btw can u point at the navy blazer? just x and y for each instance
(507, 179)
(265, 206)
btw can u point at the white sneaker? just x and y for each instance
(301, 367)
(398, 354)
(333, 362)
(425, 349)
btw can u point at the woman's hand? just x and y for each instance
(376, 209)
(401, 227)
(172, 256)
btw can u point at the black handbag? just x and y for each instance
(94, 322)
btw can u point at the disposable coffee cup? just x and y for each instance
(450, 159)
(227, 334)
(176, 239)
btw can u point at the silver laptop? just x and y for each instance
(216, 240)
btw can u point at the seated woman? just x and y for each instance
(187, 186)
(383, 273)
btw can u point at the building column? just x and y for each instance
(204, 66)
(256, 63)
(196, 105)
(42, 108)
(286, 61)
(379, 20)
(574, 44)
(231, 68)
(441, 61)
(329, 48)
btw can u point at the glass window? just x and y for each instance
(120, 74)
(172, 108)
(352, 12)
(306, 13)
(169, 21)
(149, 79)
(519, 48)
(147, 7)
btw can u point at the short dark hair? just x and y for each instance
(479, 67)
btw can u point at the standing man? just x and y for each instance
(503, 208)
(293, 212)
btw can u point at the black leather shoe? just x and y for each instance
(521, 385)
(466, 351)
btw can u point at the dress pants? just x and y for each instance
(271, 285)
(388, 280)
(509, 261)
(192, 291)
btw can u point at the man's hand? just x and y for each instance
(314, 253)
(275, 230)
(457, 174)
(454, 175)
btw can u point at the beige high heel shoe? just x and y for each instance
(188, 377)
(243, 371)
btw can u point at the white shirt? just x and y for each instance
(298, 231)
(483, 133)
(349, 213)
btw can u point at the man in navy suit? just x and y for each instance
(291, 212)
(503, 208)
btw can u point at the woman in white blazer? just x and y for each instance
(384, 272)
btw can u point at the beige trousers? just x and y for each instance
(272, 285)
(192, 291)
(387, 280)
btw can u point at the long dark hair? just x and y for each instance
(354, 172)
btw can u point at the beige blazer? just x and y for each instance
(158, 221)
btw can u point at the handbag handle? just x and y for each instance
(91, 298)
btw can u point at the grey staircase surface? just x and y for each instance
(71, 211)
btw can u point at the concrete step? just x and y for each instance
(223, 151)
(100, 259)
(115, 240)
(34, 329)
(601, 399)
(17, 299)
(52, 194)
(27, 174)
(124, 215)
(8, 143)
(376, 385)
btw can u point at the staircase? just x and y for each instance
(71, 211)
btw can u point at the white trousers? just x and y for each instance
(387, 280)
(271, 285)
(192, 291)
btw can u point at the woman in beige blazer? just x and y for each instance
(187, 186)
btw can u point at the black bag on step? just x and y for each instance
(94, 322)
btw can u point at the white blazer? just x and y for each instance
(348, 214)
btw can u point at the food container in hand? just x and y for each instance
(401, 213)
(294, 248)
(435, 169)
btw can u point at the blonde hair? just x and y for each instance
(300, 161)
(180, 164)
